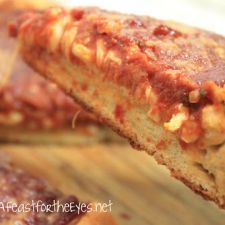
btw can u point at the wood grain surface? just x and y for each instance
(142, 192)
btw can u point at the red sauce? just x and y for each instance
(95, 93)
(77, 14)
(13, 29)
(135, 23)
(84, 87)
(163, 30)
(161, 145)
(183, 145)
(119, 113)
(169, 90)
(74, 83)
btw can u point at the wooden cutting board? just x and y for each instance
(142, 192)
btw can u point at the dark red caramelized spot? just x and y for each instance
(13, 29)
(136, 23)
(162, 144)
(163, 30)
(77, 14)
(119, 113)
(84, 87)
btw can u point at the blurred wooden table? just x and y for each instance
(142, 192)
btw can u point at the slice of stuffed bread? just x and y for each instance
(157, 83)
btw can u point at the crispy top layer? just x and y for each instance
(174, 58)
(176, 69)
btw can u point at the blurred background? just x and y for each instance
(207, 14)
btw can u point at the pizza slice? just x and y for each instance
(160, 84)
(25, 199)
(32, 109)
